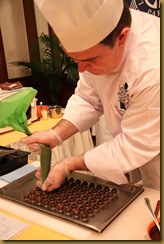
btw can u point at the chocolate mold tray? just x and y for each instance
(81, 199)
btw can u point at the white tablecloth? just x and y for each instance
(75, 145)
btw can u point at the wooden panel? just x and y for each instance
(3, 68)
(31, 28)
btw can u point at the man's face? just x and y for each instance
(101, 59)
(98, 60)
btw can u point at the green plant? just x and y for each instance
(53, 69)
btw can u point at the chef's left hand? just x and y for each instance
(59, 172)
(55, 177)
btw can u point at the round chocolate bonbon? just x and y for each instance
(67, 210)
(91, 185)
(52, 206)
(84, 183)
(98, 187)
(38, 199)
(45, 203)
(32, 198)
(84, 217)
(76, 214)
(95, 206)
(74, 205)
(84, 198)
(66, 202)
(60, 207)
(26, 196)
(90, 212)
(71, 199)
(77, 182)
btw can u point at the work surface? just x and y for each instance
(131, 224)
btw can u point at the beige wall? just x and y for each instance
(14, 35)
(41, 23)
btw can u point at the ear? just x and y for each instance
(123, 36)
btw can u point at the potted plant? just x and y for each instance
(53, 70)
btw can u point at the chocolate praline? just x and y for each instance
(76, 213)
(45, 203)
(66, 202)
(90, 212)
(26, 196)
(52, 206)
(38, 199)
(60, 207)
(84, 198)
(67, 210)
(71, 180)
(84, 217)
(84, 183)
(95, 207)
(31, 192)
(73, 205)
(32, 198)
(91, 185)
(77, 182)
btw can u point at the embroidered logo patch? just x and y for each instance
(124, 96)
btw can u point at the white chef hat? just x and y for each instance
(81, 24)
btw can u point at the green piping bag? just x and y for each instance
(13, 108)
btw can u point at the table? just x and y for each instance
(131, 224)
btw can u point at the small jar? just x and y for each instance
(55, 112)
(44, 113)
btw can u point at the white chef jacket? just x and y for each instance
(129, 98)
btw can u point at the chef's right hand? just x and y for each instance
(46, 137)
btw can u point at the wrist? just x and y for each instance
(76, 163)
(59, 140)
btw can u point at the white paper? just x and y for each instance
(7, 93)
(16, 174)
(10, 227)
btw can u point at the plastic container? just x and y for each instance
(12, 159)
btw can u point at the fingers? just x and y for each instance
(28, 140)
(51, 184)
(48, 185)
(45, 137)
(39, 184)
(34, 147)
(55, 177)
(38, 176)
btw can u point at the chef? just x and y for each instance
(117, 51)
